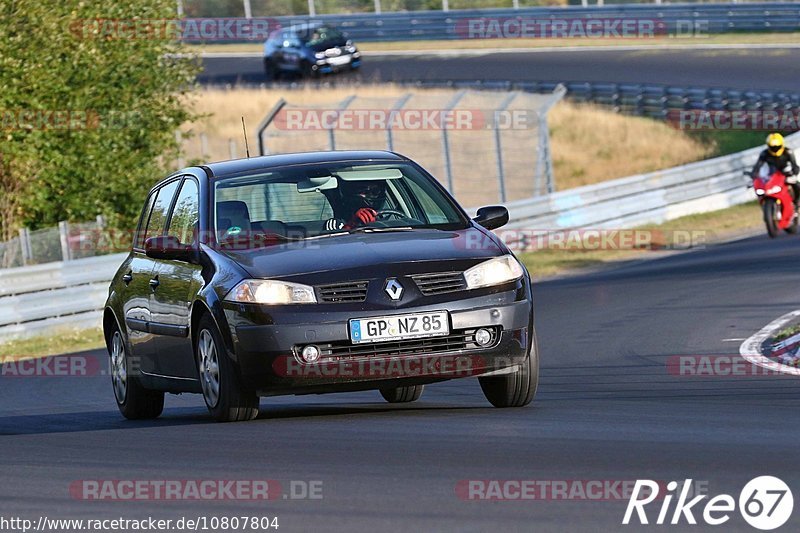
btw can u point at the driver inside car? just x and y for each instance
(360, 203)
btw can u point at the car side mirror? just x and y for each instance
(170, 248)
(492, 217)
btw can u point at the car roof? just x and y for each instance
(236, 166)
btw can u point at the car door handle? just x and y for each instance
(127, 278)
(154, 283)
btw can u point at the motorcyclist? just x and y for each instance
(360, 202)
(779, 157)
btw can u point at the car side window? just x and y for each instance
(185, 214)
(158, 217)
(138, 238)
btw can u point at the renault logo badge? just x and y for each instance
(394, 289)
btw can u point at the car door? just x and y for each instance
(137, 279)
(176, 283)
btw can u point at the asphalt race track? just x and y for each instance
(608, 408)
(757, 69)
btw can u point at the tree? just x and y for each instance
(90, 97)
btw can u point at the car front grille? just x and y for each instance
(355, 291)
(439, 282)
(456, 341)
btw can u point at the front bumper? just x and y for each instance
(266, 352)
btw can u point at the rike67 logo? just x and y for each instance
(765, 503)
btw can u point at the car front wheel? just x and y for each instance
(517, 388)
(134, 401)
(402, 394)
(226, 399)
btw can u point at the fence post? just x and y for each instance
(312, 10)
(498, 144)
(448, 165)
(397, 107)
(63, 232)
(262, 147)
(180, 9)
(179, 141)
(544, 162)
(248, 12)
(203, 146)
(332, 131)
(445, 5)
(25, 245)
(378, 7)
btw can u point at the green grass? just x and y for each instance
(787, 332)
(55, 343)
(730, 141)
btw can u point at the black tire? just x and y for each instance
(402, 394)
(792, 228)
(518, 388)
(232, 402)
(307, 71)
(133, 400)
(270, 72)
(770, 211)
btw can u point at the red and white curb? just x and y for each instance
(751, 348)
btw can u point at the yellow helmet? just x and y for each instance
(775, 144)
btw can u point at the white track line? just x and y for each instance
(751, 348)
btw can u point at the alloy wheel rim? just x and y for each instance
(119, 373)
(209, 368)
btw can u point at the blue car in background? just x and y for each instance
(309, 50)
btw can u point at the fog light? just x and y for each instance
(483, 337)
(310, 353)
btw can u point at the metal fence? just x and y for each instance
(675, 19)
(66, 242)
(483, 145)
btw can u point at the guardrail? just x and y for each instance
(650, 198)
(452, 25)
(41, 298)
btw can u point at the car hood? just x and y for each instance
(326, 45)
(426, 249)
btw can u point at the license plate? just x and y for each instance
(338, 61)
(399, 327)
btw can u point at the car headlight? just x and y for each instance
(774, 189)
(493, 272)
(271, 292)
(320, 55)
(352, 49)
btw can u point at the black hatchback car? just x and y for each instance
(309, 50)
(314, 273)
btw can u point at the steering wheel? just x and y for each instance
(387, 213)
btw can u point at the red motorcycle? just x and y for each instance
(775, 197)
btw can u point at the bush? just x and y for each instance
(89, 111)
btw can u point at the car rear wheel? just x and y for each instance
(518, 388)
(402, 394)
(134, 401)
(226, 399)
(270, 72)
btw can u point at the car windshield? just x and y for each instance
(323, 35)
(313, 201)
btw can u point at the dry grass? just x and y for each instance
(589, 144)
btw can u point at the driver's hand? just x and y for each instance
(363, 216)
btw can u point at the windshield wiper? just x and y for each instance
(367, 229)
